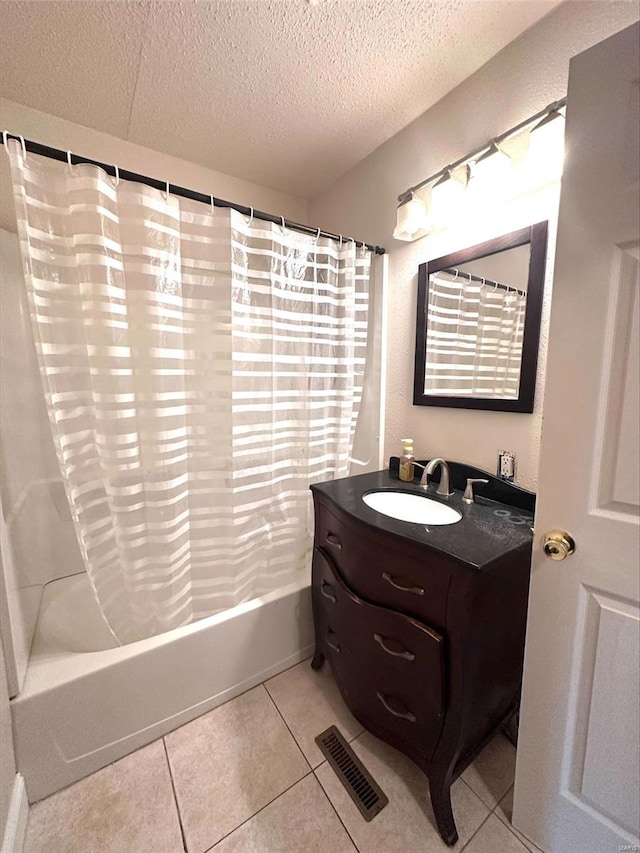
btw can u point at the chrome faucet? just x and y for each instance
(444, 489)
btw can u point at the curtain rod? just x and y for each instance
(472, 277)
(556, 105)
(183, 192)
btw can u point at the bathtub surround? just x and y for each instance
(201, 368)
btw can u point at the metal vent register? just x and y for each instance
(360, 785)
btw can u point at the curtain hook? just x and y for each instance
(495, 287)
(251, 216)
(484, 281)
(282, 217)
(70, 164)
(213, 207)
(455, 278)
(5, 139)
(340, 240)
(167, 192)
(117, 175)
(317, 236)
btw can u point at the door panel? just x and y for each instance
(576, 777)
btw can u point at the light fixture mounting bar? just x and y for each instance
(553, 107)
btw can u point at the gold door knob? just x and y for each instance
(558, 544)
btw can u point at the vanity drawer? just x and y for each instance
(389, 667)
(392, 574)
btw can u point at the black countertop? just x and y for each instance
(487, 530)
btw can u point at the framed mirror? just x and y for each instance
(478, 324)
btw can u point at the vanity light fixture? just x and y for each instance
(546, 147)
(491, 170)
(534, 146)
(447, 195)
(411, 219)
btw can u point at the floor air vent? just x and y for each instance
(355, 777)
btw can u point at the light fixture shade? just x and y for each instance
(546, 149)
(491, 178)
(447, 196)
(412, 220)
(516, 147)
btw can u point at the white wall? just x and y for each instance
(522, 79)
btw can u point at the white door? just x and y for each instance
(577, 768)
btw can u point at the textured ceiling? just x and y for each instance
(287, 93)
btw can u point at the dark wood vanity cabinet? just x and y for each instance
(427, 651)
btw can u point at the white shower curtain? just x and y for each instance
(201, 369)
(474, 338)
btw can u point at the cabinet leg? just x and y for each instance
(317, 660)
(441, 802)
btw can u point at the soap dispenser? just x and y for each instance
(406, 460)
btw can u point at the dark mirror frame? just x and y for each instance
(536, 236)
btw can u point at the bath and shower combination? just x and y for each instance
(202, 365)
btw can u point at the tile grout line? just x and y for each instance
(313, 769)
(261, 809)
(485, 819)
(476, 832)
(334, 808)
(293, 784)
(492, 812)
(509, 825)
(175, 795)
(280, 714)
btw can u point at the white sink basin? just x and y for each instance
(407, 506)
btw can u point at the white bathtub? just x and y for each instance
(86, 701)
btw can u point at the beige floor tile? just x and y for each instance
(128, 806)
(310, 702)
(301, 819)
(494, 837)
(492, 773)
(406, 824)
(504, 811)
(230, 763)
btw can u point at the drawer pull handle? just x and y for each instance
(416, 590)
(405, 654)
(334, 646)
(334, 540)
(327, 590)
(405, 715)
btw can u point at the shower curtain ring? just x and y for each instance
(250, 216)
(167, 192)
(117, 175)
(70, 164)
(213, 207)
(282, 217)
(495, 287)
(317, 236)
